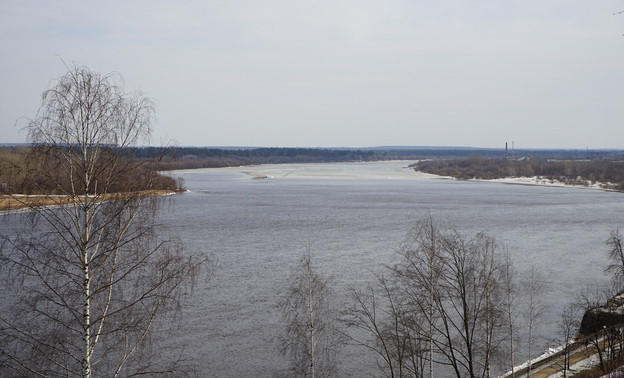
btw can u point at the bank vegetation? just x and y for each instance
(28, 178)
(610, 173)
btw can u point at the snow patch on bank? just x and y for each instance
(551, 351)
(543, 181)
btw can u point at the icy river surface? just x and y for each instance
(353, 216)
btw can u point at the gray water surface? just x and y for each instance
(256, 231)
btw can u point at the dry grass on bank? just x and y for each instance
(16, 202)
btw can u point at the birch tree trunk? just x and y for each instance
(95, 275)
(455, 286)
(311, 340)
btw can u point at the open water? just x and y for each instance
(352, 217)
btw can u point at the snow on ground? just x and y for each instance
(542, 181)
(585, 364)
(535, 360)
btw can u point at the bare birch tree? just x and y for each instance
(311, 339)
(511, 310)
(448, 293)
(91, 277)
(568, 326)
(366, 316)
(616, 257)
(534, 307)
(595, 332)
(393, 332)
(419, 272)
(471, 304)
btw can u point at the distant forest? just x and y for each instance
(201, 157)
(210, 157)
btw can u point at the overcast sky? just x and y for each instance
(542, 73)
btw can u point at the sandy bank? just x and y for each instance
(17, 202)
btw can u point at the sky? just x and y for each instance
(334, 73)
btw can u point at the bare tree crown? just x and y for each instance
(95, 275)
(88, 109)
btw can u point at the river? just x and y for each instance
(353, 216)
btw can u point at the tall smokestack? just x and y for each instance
(505, 150)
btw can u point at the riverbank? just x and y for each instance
(544, 181)
(15, 202)
(583, 358)
(535, 181)
(595, 174)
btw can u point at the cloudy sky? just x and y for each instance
(543, 73)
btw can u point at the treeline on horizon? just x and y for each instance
(576, 172)
(260, 155)
(202, 157)
(211, 157)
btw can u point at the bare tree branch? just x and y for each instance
(92, 277)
